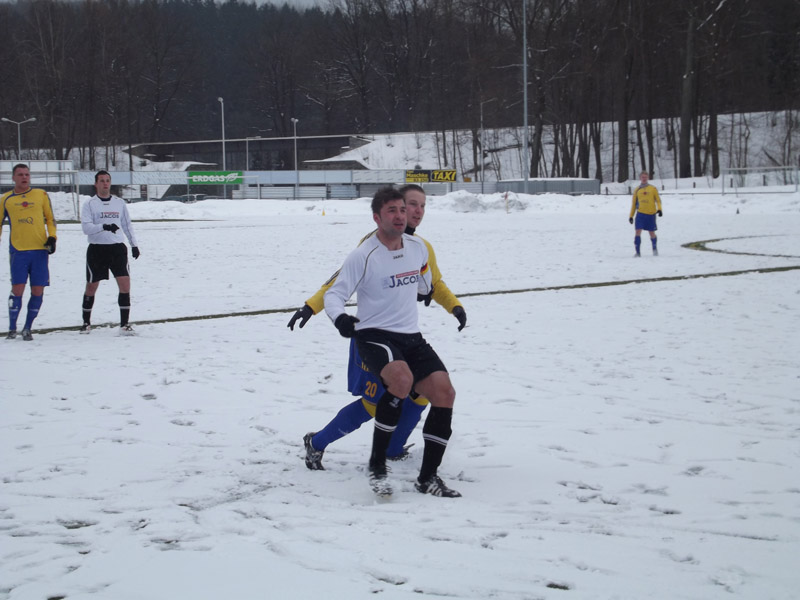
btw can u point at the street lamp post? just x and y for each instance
(482, 159)
(19, 133)
(296, 169)
(525, 165)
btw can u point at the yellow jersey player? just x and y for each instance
(645, 205)
(32, 239)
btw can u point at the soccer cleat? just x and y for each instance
(86, 328)
(12, 335)
(126, 330)
(404, 453)
(436, 487)
(26, 335)
(313, 456)
(637, 255)
(379, 482)
(655, 251)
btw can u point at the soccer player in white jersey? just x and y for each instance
(389, 271)
(103, 215)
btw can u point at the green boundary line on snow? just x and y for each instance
(702, 246)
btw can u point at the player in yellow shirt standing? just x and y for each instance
(32, 239)
(645, 205)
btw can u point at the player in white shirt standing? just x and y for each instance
(389, 272)
(103, 215)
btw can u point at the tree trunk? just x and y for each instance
(687, 103)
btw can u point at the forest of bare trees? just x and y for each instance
(105, 74)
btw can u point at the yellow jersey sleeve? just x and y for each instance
(441, 293)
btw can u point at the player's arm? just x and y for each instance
(127, 225)
(316, 303)
(49, 217)
(633, 206)
(88, 225)
(441, 293)
(312, 306)
(658, 201)
(3, 216)
(340, 292)
(50, 224)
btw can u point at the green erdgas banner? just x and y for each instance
(215, 177)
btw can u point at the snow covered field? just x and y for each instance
(625, 441)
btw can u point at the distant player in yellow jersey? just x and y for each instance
(645, 205)
(32, 239)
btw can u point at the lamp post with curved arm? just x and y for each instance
(19, 132)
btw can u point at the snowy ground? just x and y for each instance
(625, 441)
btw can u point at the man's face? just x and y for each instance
(415, 207)
(644, 178)
(103, 186)
(22, 179)
(392, 218)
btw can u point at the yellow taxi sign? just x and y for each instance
(441, 175)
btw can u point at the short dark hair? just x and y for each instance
(383, 196)
(18, 166)
(409, 187)
(101, 172)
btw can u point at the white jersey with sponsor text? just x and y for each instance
(386, 283)
(97, 212)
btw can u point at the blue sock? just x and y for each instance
(34, 304)
(408, 421)
(14, 306)
(347, 420)
(637, 241)
(655, 241)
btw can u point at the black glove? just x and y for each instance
(135, 252)
(460, 314)
(50, 244)
(426, 298)
(660, 214)
(303, 315)
(346, 324)
(112, 227)
(630, 220)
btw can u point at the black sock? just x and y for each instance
(124, 301)
(387, 415)
(88, 303)
(436, 432)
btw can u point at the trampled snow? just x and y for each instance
(624, 428)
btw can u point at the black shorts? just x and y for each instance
(378, 348)
(100, 258)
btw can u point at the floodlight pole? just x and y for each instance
(525, 166)
(296, 169)
(19, 132)
(482, 103)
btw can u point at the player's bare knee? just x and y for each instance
(398, 379)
